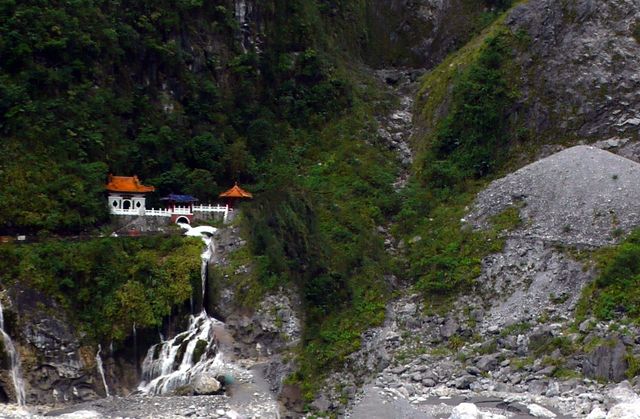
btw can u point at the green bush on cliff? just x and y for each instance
(472, 140)
(466, 146)
(315, 231)
(615, 293)
(109, 284)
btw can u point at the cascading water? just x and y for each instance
(177, 362)
(101, 370)
(14, 360)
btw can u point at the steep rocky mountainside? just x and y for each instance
(580, 75)
(445, 201)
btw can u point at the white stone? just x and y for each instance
(623, 393)
(466, 411)
(625, 411)
(81, 414)
(205, 384)
(539, 411)
(597, 413)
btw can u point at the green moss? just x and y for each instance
(634, 366)
(507, 220)
(516, 329)
(562, 373)
(615, 293)
(198, 351)
(109, 284)
(635, 31)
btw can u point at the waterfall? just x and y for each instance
(14, 361)
(242, 9)
(174, 363)
(101, 370)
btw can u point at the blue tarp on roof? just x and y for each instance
(179, 198)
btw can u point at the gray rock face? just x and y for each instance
(53, 364)
(416, 33)
(449, 328)
(580, 68)
(607, 361)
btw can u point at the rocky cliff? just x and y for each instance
(456, 204)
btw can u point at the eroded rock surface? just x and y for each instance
(580, 69)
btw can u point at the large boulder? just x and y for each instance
(466, 411)
(607, 361)
(205, 384)
(625, 411)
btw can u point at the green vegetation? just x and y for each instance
(88, 87)
(615, 292)
(635, 31)
(467, 142)
(109, 284)
(319, 237)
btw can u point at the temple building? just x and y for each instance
(127, 195)
(234, 194)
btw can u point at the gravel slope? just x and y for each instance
(579, 196)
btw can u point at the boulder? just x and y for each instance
(449, 328)
(205, 384)
(625, 411)
(464, 382)
(488, 362)
(539, 411)
(465, 411)
(608, 361)
(596, 413)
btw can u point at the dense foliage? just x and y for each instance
(320, 237)
(109, 284)
(467, 145)
(157, 89)
(473, 138)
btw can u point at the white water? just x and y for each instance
(14, 359)
(101, 370)
(170, 364)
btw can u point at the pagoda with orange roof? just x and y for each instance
(127, 195)
(234, 194)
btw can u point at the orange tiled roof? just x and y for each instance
(127, 184)
(236, 192)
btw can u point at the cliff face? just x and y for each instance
(278, 93)
(420, 34)
(580, 75)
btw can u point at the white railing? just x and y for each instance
(153, 212)
(128, 211)
(158, 212)
(182, 211)
(210, 208)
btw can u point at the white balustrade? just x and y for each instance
(158, 212)
(153, 212)
(210, 208)
(182, 210)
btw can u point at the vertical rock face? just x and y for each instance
(608, 361)
(416, 33)
(55, 366)
(580, 69)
